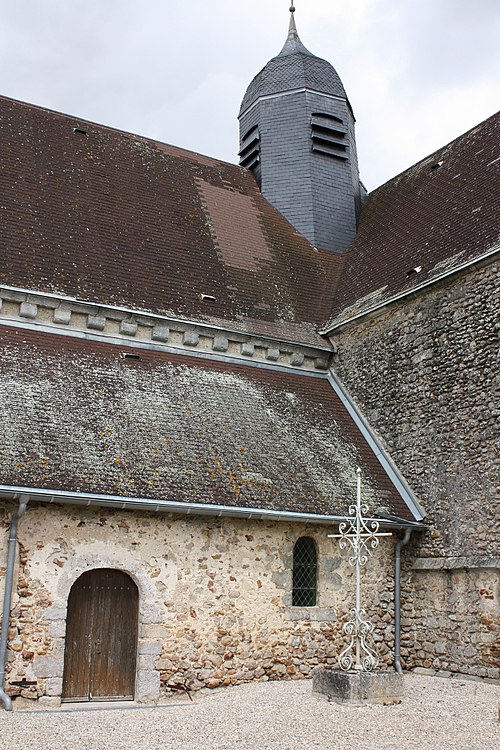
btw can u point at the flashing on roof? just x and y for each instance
(413, 271)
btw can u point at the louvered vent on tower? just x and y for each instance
(328, 135)
(250, 148)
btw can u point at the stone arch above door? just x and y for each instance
(151, 630)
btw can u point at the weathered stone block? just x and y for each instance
(221, 344)
(297, 359)
(48, 666)
(150, 647)
(154, 631)
(321, 363)
(57, 629)
(62, 315)
(96, 322)
(273, 354)
(148, 686)
(28, 310)
(49, 701)
(53, 686)
(128, 327)
(190, 338)
(54, 613)
(160, 333)
(146, 662)
(359, 689)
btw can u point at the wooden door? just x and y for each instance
(101, 637)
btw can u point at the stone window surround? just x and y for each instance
(317, 613)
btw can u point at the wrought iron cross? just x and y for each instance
(362, 535)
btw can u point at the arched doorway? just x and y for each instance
(101, 637)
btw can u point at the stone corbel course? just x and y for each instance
(118, 324)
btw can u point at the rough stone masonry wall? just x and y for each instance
(424, 373)
(215, 597)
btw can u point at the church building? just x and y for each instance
(197, 356)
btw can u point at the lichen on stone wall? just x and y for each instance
(213, 597)
(424, 374)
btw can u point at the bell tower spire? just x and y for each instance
(293, 43)
(297, 137)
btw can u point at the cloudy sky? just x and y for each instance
(417, 73)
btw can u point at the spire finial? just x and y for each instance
(293, 43)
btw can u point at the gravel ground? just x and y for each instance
(435, 714)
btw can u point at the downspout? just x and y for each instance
(7, 598)
(397, 600)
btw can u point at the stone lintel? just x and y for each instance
(359, 688)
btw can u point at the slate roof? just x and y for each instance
(78, 416)
(439, 214)
(110, 217)
(294, 70)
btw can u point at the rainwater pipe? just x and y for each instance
(397, 600)
(7, 597)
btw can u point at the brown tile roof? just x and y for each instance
(114, 218)
(439, 214)
(78, 416)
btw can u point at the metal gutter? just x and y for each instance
(479, 262)
(7, 597)
(397, 600)
(196, 509)
(387, 464)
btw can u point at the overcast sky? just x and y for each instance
(417, 74)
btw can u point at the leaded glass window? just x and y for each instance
(305, 570)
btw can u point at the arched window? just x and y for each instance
(305, 571)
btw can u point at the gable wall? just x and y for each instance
(424, 374)
(214, 596)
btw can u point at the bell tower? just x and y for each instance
(297, 137)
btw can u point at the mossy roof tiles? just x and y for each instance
(438, 215)
(80, 417)
(110, 217)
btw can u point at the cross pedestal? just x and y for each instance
(355, 682)
(359, 688)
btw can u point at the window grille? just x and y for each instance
(305, 571)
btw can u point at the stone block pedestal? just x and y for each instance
(359, 688)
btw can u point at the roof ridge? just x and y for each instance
(137, 136)
(439, 150)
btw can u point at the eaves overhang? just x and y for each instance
(184, 508)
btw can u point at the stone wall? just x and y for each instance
(423, 373)
(215, 597)
(451, 620)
